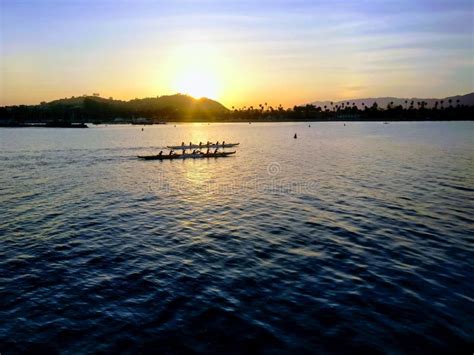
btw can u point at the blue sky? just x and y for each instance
(287, 52)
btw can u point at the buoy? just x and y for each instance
(295, 136)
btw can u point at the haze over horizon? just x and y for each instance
(238, 53)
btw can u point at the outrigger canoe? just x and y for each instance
(197, 146)
(186, 156)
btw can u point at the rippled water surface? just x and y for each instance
(355, 238)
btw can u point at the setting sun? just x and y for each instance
(196, 70)
(197, 83)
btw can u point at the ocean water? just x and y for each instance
(355, 238)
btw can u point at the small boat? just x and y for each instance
(197, 146)
(186, 156)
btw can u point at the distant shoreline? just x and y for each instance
(44, 125)
(182, 108)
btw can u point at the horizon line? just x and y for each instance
(97, 95)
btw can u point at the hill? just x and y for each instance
(177, 101)
(97, 109)
(383, 102)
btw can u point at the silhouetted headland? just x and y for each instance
(76, 111)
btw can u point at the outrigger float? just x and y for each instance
(186, 156)
(201, 146)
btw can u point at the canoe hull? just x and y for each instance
(185, 156)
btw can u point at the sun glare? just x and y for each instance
(197, 83)
(196, 70)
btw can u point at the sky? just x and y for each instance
(240, 53)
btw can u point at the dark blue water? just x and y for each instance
(348, 239)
